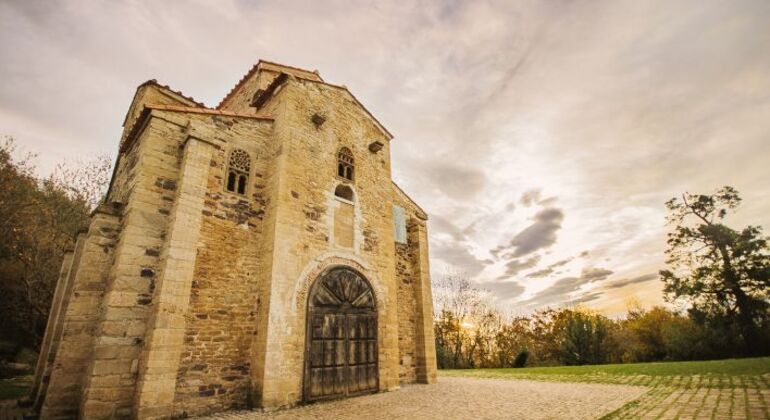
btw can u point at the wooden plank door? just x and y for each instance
(362, 353)
(341, 342)
(326, 370)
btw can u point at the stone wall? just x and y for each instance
(214, 368)
(75, 330)
(415, 317)
(52, 336)
(406, 314)
(111, 385)
(305, 206)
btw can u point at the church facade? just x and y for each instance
(256, 254)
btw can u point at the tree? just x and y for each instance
(720, 271)
(39, 218)
(584, 338)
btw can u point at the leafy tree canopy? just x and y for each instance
(723, 273)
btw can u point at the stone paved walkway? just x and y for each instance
(745, 398)
(469, 398)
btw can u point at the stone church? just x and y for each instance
(256, 254)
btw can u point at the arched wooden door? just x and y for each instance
(341, 344)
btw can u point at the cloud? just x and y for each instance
(561, 291)
(458, 255)
(513, 267)
(540, 273)
(595, 274)
(439, 225)
(617, 284)
(455, 181)
(530, 197)
(576, 98)
(587, 297)
(534, 196)
(540, 234)
(503, 290)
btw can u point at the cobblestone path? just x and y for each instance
(695, 397)
(469, 398)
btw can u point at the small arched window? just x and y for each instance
(238, 169)
(345, 163)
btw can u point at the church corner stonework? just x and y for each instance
(252, 255)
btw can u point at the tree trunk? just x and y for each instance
(743, 303)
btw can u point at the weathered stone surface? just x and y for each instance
(191, 296)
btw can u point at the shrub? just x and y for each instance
(521, 359)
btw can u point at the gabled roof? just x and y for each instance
(256, 67)
(166, 87)
(162, 87)
(264, 95)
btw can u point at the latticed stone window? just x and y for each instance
(345, 163)
(238, 170)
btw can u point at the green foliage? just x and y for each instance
(722, 273)
(521, 359)
(584, 339)
(39, 218)
(577, 336)
(13, 388)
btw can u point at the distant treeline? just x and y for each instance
(578, 336)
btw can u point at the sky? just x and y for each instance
(542, 137)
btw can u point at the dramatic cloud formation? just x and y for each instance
(617, 284)
(498, 108)
(538, 235)
(563, 288)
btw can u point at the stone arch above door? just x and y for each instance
(328, 261)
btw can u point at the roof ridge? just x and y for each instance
(178, 92)
(252, 70)
(211, 111)
(341, 87)
(291, 67)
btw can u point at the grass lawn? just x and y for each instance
(755, 366)
(714, 389)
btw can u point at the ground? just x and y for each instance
(468, 398)
(717, 389)
(725, 389)
(721, 389)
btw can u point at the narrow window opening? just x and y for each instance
(343, 191)
(231, 181)
(242, 184)
(345, 163)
